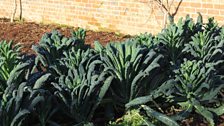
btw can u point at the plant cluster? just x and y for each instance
(147, 80)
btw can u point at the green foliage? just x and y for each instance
(9, 58)
(145, 117)
(146, 39)
(175, 36)
(221, 34)
(19, 74)
(51, 49)
(131, 118)
(196, 85)
(205, 47)
(195, 79)
(82, 90)
(212, 26)
(26, 95)
(135, 69)
(79, 34)
(24, 103)
(173, 41)
(74, 57)
(54, 44)
(159, 116)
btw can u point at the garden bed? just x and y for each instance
(29, 33)
(61, 62)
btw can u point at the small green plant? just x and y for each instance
(80, 34)
(144, 116)
(9, 59)
(146, 39)
(131, 118)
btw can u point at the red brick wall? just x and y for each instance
(123, 16)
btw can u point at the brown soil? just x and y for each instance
(197, 120)
(29, 33)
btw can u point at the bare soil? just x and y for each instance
(29, 33)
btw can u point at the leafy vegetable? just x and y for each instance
(9, 59)
(136, 70)
(82, 90)
(196, 85)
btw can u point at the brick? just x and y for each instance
(126, 16)
(190, 10)
(213, 12)
(221, 12)
(202, 10)
(195, 5)
(207, 5)
(219, 6)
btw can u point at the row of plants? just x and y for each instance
(146, 80)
